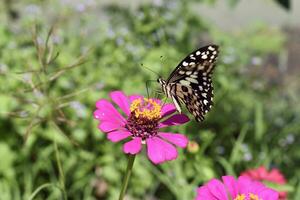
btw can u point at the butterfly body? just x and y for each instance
(190, 83)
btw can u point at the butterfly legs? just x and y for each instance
(147, 87)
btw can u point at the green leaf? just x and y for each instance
(8, 157)
(259, 122)
(236, 151)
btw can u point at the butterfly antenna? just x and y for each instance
(150, 70)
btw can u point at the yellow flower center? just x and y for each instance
(146, 108)
(251, 196)
(144, 118)
(240, 197)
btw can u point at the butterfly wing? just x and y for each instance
(203, 57)
(191, 81)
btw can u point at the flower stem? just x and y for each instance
(127, 176)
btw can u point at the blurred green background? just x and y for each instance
(58, 57)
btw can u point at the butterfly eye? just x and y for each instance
(160, 80)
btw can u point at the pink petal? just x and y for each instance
(106, 112)
(107, 126)
(134, 146)
(121, 100)
(269, 194)
(256, 187)
(243, 183)
(168, 109)
(231, 185)
(117, 136)
(158, 101)
(174, 120)
(203, 193)
(217, 189)
(160, 151)
(134, 97)
(175, 138)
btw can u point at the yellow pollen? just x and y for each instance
(240, 197)
(253, 197)
(146, 108)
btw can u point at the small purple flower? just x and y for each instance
(141, 123)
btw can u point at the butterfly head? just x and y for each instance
(164, 86)
(161, 81)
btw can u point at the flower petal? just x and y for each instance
(106, 112)
(244, 184)
(217, 189)
(116, 136)
(134, 97)
(158, 101)
(231, 185)
(269, 194)
(175, 138)
(107, 126)
(204, 193)
(168, 109)
(160, 151)
(174, 120)
(121, 100)
(134, 146)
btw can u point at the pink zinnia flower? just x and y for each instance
(243, 188)
(272, 176)
(141, 123)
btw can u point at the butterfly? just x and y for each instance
(190, 83)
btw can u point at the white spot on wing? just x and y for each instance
(198, 53)
(191, 80)
(185, 63)
(211, 48)
(200, 67)
(204, 57)
(184, 82)
(205, 101)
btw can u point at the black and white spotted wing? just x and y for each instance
(190, 83)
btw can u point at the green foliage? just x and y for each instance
(50, 79)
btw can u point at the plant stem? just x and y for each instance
(127, 176)
(60, 170)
